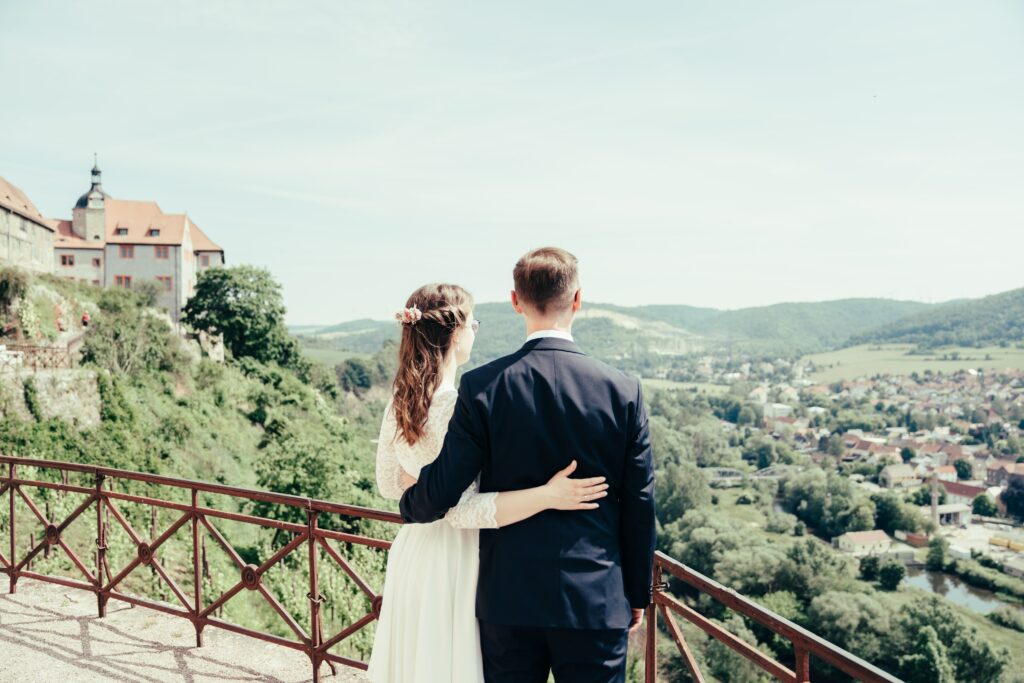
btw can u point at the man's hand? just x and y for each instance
(407, 480)
(637, 621)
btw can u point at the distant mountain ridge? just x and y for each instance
(615, 333)
(988, 321)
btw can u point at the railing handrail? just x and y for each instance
(206, 487)
(314, 644)
(799, 636)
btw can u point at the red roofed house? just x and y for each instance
(120, 243)
(26, 238)
(961, 493)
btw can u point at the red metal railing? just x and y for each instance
(106, 584)
(803, 641)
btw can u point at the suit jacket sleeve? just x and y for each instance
(442, 482)
(638, 529)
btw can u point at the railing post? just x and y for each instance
(651, 652)
(197, 579)
(314, 594)
(802, 666)
(13, 575)
(101, 548)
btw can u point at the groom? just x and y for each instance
(559, 591)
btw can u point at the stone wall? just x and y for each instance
(25, 244)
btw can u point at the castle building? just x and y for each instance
(26, 238)
(121, 243)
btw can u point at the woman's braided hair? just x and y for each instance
(426, 340)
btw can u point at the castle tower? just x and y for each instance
(88, 218)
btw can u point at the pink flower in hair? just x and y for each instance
(409, 316)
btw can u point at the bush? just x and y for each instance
(31, 393)
(13, 285)
(869, 566)
(1009, 616)
(780, 523)
(891, 573)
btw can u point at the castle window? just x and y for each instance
(123, 281)
(153, 232)
(95, 263)
(166, 281)
(204, 260)
(127, 251)
(162, 252)
(121, 231)
(67, 260)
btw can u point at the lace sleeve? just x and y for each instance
(389, 470)
(474, 510)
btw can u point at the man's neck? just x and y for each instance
(532, 327)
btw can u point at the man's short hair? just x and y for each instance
(547, 279)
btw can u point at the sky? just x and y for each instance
(723, 154)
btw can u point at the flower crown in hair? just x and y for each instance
(409, 316)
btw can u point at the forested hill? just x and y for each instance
(989, 321)
(796, 326)
(614, 332)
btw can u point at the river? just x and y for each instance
(954, 589)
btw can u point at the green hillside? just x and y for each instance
(643, 333)
(990, 321)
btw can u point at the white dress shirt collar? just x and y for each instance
(556, 334)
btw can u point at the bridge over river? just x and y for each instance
(98, 622)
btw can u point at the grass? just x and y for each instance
(895, 359)
(699, 387)
(329, 357)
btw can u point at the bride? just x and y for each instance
(428, 629)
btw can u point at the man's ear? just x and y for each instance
(515, 303)
(577, 301)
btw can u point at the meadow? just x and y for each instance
(896, 359)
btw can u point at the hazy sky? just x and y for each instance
(715, 153)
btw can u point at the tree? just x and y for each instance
(937, 548)
(892, 515)
(907, 454)
(244, 304)
(1013, 497)
(972, 657)
(855, 621)
(128, 338)
(679, 488)
(963, 469)
(984, 506)
(929, 662)
(891, 573)
(869, 567)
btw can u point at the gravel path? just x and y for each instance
(51, 633)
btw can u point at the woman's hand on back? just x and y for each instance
(563, 493)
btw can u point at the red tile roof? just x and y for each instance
(65, 238)
(200, 242)
(13, 199)
(957, 489)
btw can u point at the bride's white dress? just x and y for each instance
(427, 632)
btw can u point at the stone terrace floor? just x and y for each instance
(52, 633)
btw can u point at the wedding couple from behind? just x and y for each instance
(527, 492)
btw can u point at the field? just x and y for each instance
(330, 357)
(699, 387)
(869, 360)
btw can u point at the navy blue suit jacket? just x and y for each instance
(518, 420)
